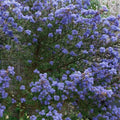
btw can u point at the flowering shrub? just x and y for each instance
(72, 66)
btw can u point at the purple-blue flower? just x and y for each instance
(70, 37)
(51, 62)
(22, 100)
(78, 45)
(57, 46)
(28, 32)
(2, 108)
(39, 29)
(74, 32)
(13, 100)
(20, 29)
(58, 31)
(11, 70)
(67, 118)
(42, 112)
(26, 8)
(38, 13)
(65, 51)
(114, 39)
(59, 105)
(22, 87)
(102, 49)
(80, 115)
(18, 78)
(29, 44)
(73, 53)
(35, 40)
(36, 71)
(49, 25)
(29, 61)
(50, 35)
(33, 117)
(56, 97)
(7, 47)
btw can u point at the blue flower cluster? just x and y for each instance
(5, 83)
(2, 108)
(73, 61)
(77, 86)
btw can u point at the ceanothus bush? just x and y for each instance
(71, 62)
